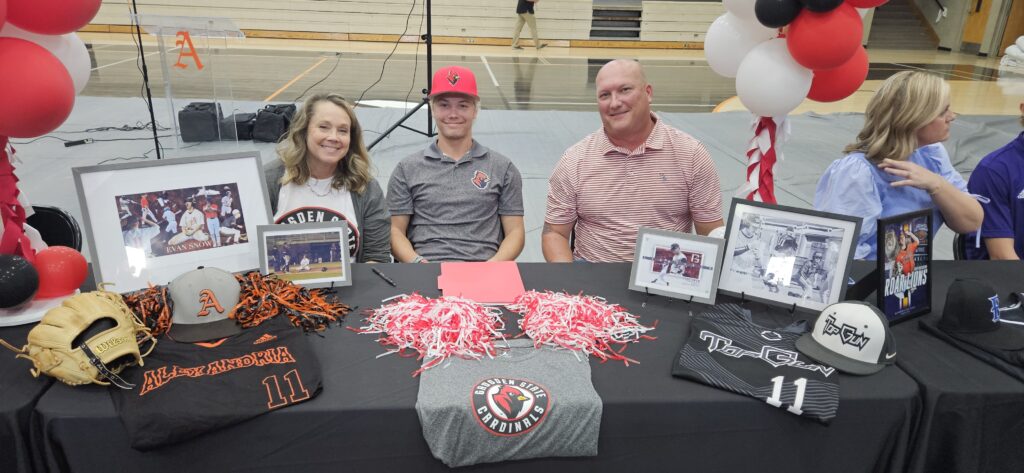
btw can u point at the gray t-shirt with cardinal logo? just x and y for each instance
(524, 403)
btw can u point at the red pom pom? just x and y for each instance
(579, 323)
(436, 328)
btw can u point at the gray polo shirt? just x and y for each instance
(454, 206)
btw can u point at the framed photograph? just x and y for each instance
(677, 265)
(904, 259)
(308, 254)
(785, 256)
(150, 222)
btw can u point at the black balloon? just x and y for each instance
(776, 13)
(821, 6)
(19, 281)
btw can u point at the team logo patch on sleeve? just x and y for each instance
(481, 179)
(509, 407)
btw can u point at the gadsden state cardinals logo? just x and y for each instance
(509, 407)
(481, 179)
(453, 77)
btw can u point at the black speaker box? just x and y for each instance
(199, 121)
(272, 122)
(238, 125)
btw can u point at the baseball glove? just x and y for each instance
(97, 359)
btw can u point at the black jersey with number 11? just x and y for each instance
(187, 389)
(727, 350)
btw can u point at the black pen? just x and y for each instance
(385, 278)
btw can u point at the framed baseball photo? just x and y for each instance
(785, 256)
(677, 265)
(307, 254)
(904, 261)
(150, 222)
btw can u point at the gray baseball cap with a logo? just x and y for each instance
(204, 303)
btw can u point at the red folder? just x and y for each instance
(491, 282)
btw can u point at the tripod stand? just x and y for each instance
(426, 91)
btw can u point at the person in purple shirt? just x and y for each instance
(1000, 178)
(898, 164)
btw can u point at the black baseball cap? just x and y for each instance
(972, 315)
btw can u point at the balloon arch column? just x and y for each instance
(44, 66)
(781, 52)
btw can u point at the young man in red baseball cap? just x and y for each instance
(456, 200)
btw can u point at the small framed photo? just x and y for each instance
(677, 265)
(150, 222)
(785, 256)
(904, 261)
(308, 254)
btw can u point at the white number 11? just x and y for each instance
(776, 399)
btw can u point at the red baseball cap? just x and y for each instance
(454, 80)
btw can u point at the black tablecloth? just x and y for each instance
(18, 394)
(365, 419)
(973, 419)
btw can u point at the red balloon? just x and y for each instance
(61, 271)
(3, 12)
(36, 91)
(830, 85)
(825, 40)
(866, 3)
(51, 16)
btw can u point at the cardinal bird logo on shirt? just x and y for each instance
(510, 401)
(509, 407)
(453, 77)
(481, 179)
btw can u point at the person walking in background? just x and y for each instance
(524, 10)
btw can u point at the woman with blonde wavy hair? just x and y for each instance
(898, 163)
(323, 175)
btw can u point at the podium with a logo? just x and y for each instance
(197, 77)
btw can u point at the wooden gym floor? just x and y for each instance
(554, 78)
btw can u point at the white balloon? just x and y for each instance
(68, 48)
(741, 8)
(1015, 52)
(729, 39)
(769, 82)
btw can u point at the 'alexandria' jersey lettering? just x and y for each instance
(159, 377)
(772, 355)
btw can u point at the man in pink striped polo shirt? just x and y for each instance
(635, 171)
